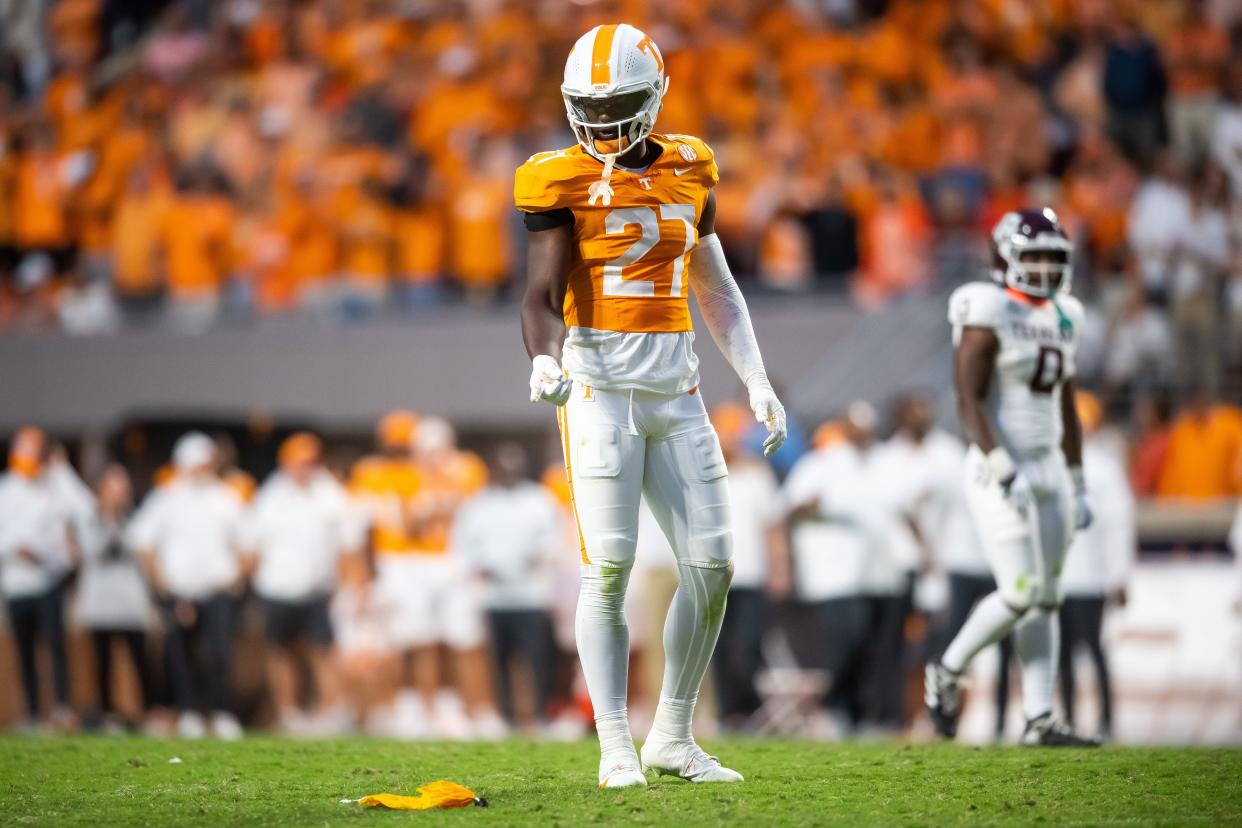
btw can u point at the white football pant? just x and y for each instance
(619, 446)
(1025, 551)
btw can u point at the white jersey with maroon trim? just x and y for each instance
(1038, 347)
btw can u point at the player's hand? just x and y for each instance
(1018, 492)
(548, 382)
(769, 411)
(1082, 508)
(1014, 485)
(1083, 516)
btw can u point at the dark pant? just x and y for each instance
(1082, 619)
(135, 642)
(526, 635)
(883, 684)
(964, 592)
(738, 656)
(34, 618)
(199, 655)
(843, 626)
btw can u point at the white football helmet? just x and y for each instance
(614, 89)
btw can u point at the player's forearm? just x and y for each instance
(975, 424)
(724, 310)
(1071, 430)
(543, 330)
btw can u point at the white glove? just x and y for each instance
(1014, 485)
(1082, 507)
(548, 382)
(769, 411)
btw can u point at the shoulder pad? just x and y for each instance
(539, 184)
(694, 152)
(976, 305)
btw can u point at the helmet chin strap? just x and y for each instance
(601, 190)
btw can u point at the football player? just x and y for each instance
(1013, 371)
(620, 228)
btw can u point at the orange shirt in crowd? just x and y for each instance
(479, 244)
(387, 486)
(41, 197)
(420, 244)
(196, 236)
(366, 239)
(313, 246)
(1195, 55)
(1203, 457)
(446, 484)
(136, 231)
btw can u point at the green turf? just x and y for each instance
(108, 781)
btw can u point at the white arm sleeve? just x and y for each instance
(724, 310)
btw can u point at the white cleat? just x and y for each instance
(621, 772)
(687, 760)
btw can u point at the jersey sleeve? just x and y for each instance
(540, 184)
(975, 305)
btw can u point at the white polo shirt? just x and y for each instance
(193, 528)
(1101, 556)
(934, 476)
(33, 516)
(510, 536)
(299, 533)
(756, 506)
(840, 554)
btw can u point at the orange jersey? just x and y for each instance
(627, 269)
(387, 487)
(445, 486)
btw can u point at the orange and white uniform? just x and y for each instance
(626, 304)
(420, 592)
(633, 425)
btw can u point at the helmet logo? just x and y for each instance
(646, 45)
(687, 152)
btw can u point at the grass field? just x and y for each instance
(102, 781)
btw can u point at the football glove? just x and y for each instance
(548, 382)
(769, 411)
(1014, 485)
(1083, 516)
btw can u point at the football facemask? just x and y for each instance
(612, 124)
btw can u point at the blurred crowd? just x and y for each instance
(422, 591)
(338, 157)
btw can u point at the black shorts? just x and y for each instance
(287, 622)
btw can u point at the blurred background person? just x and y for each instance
(296, 533)
(838, 528)
(761, 569)
(508, 536)
(187, 532)
(36, 551)
(1097, 565)
(384, 486)
(449, 476)
(113, 601)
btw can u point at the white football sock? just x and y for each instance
(690, 633)
(1037, 641)
(613, 730)
(604, 648)
(988, 623)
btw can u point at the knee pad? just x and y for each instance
(603, 588)
(1020, 593)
